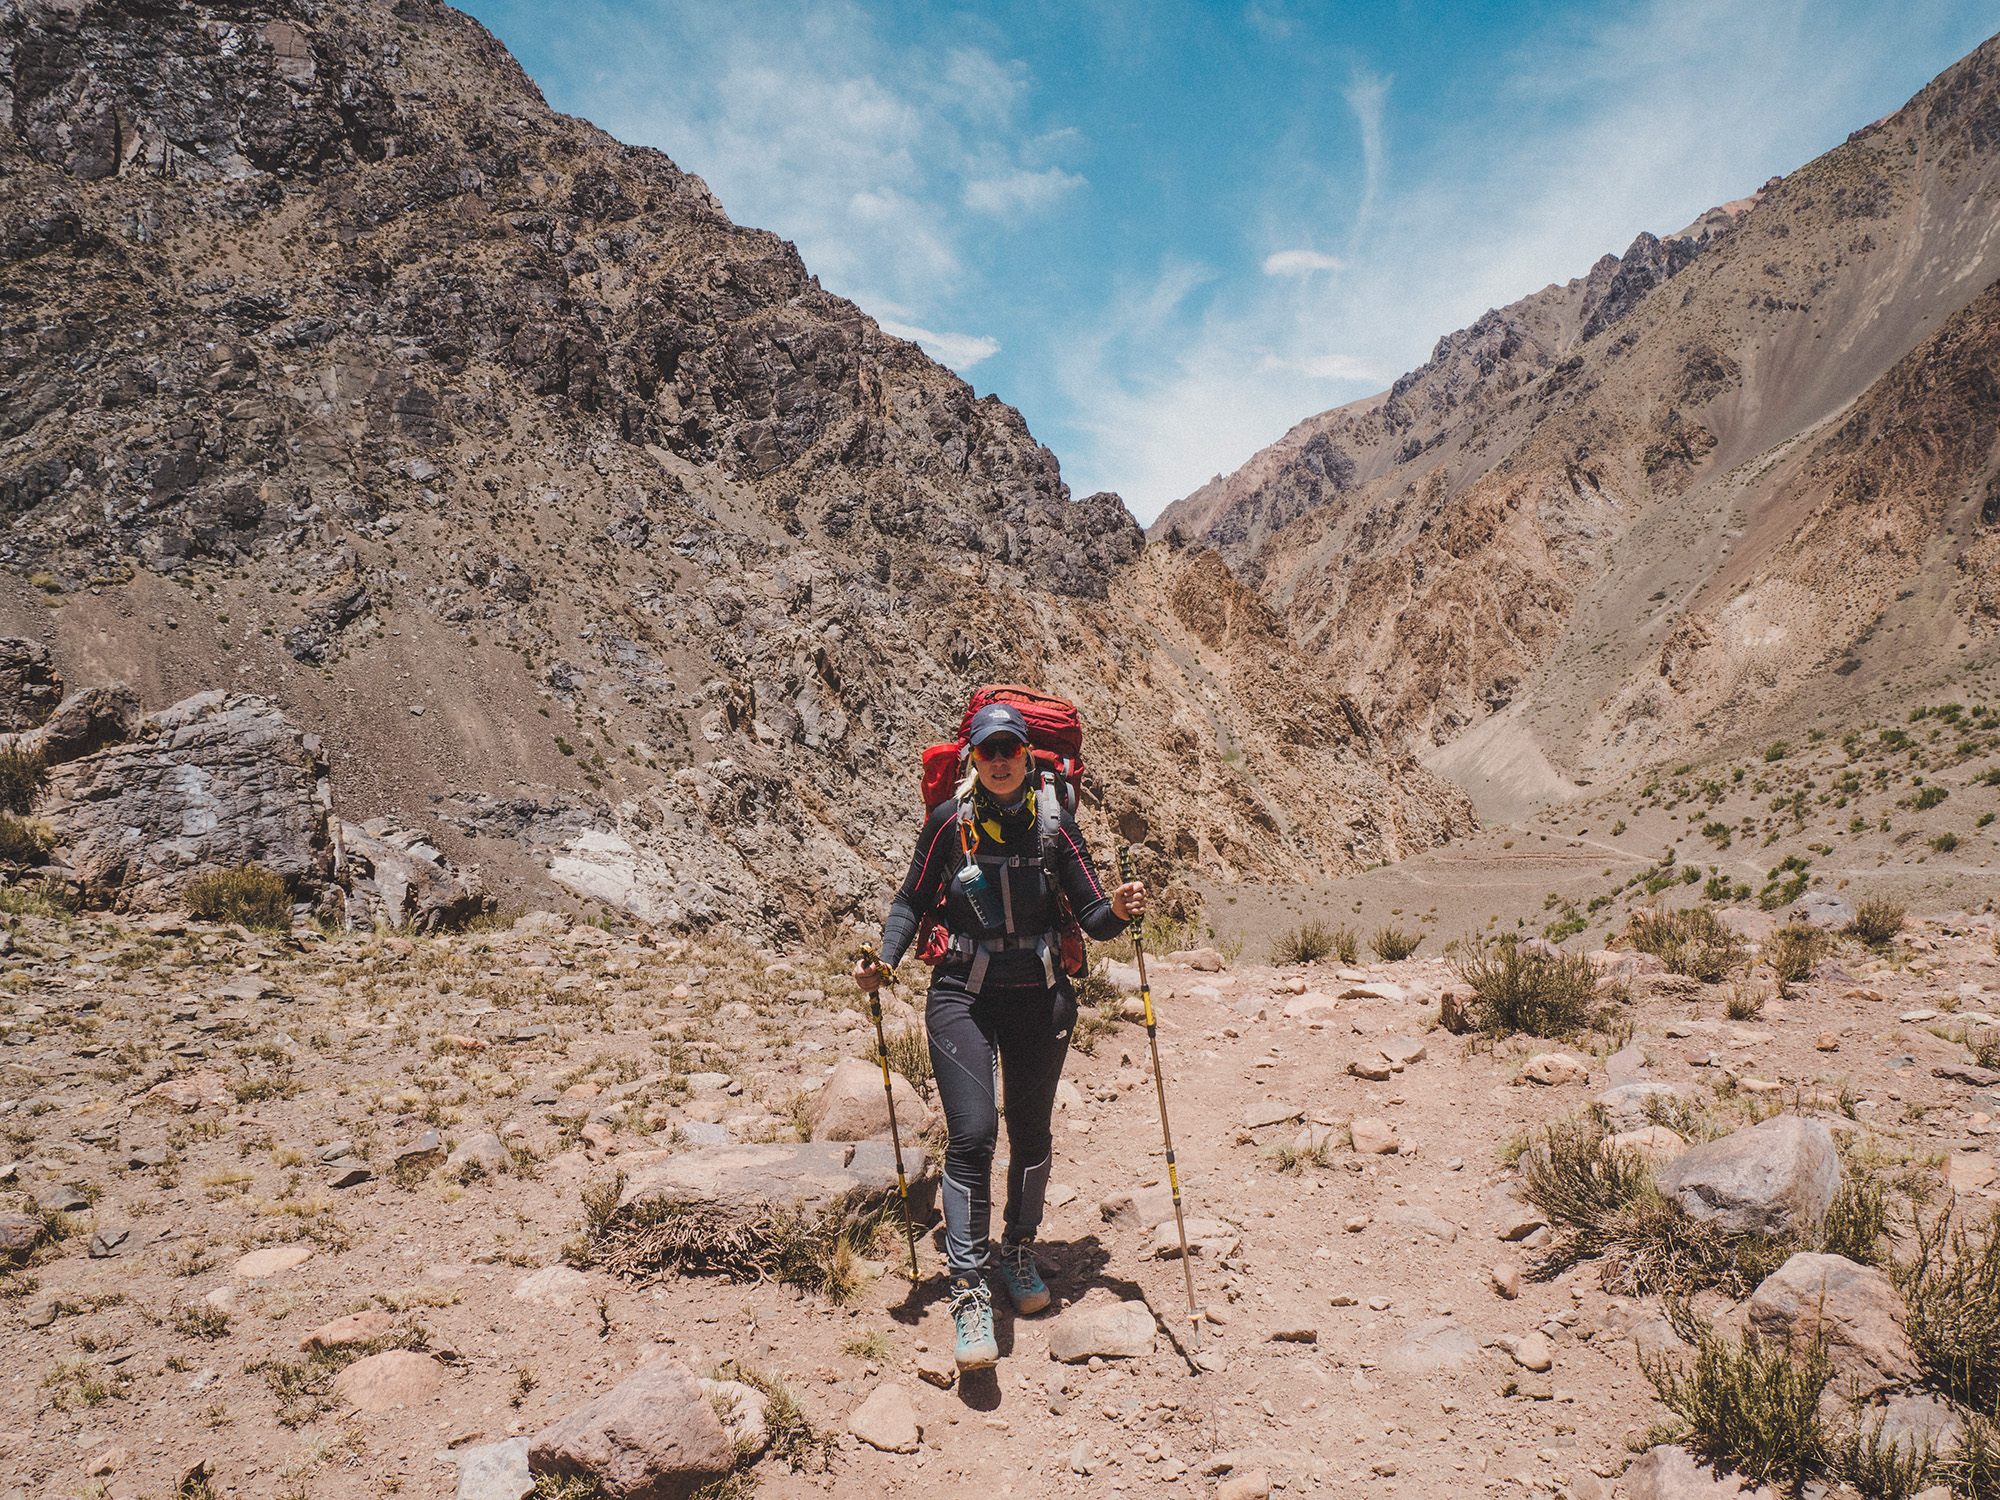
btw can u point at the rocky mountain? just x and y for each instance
(575, 520)
(1735, 478)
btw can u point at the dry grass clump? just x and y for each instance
(1605, 1204)
(1307, 943)
(910, 1055)
(24, 841)
(23, 776)
(1691, 941)
(248, 895)
(793, 1439)
(1876, 921)
(1516, 989)
(1792, 951)
(1096, 1013)
(1951, 1283)
(816, 1252)
(1393, 945)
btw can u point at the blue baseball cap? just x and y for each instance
(997, 718)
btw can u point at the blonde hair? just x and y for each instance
(970, 779)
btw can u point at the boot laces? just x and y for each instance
(974, 1301)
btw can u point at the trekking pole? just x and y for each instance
(1160, 1087)
(895, 1136)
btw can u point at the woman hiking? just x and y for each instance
(987, 864)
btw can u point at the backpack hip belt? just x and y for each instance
(983, 949)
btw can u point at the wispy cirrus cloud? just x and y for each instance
(959, 350)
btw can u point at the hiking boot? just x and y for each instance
(1023, 1277)
(972, 1314)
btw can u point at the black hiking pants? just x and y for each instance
(1025, 1029)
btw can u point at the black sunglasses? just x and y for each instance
(998, 747)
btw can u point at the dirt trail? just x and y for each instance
(166, 1353)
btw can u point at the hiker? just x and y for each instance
(987, 866)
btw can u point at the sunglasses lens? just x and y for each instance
(998, 747)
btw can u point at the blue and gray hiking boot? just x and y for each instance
(1023, 1277)
(972, 1313)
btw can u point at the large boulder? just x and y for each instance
(215, 781)
(653, 1436)
(1853, 1308)
(851, 1104)
(91, 720)
(30, 686)
(395, 873)
(1821, 909)
(1760, 1179)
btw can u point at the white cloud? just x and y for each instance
(1019, 192)
(1334, 367)
(1301, 263)
(961, 351)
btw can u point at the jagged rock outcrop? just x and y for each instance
(215, 781)
(30, 686)
(396, 876)
(553, 500)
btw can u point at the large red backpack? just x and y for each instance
(1055, 738)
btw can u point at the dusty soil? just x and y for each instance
(377, 1041)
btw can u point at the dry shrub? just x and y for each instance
(1515, 989)
(1307, 943)
(813, 1251)
(1951, 1283)
(1793, 950)
(1746, 1410)
(1392, 944)
(1876, 920)
(910, 1055)
(23, 776)
(24, 841)
(248, 895)
(1691, 941)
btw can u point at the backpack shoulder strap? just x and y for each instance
(1048, 817)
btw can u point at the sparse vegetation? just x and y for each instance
(249, 895)
(1746, 1409)
(1392, 944)
(1691, 941)
(1307, 943)
(1518, 989)
(23, 776)
(1876, 921)
(1792, 951)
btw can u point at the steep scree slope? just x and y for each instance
(334, 363)
(1736, 476)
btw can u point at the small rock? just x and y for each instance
(1533, 1352)
(425, 1156)
(851, 1104)
(741, 1408)
(109, 1461)
(1827, 1042)
(938, 1369)
(1342, 1299)
(1112, 1329)
(1373, 1138)
(355, 1328)
(1269, 1112)
(335, 1151)
(19, 1234)
(552, 1286)
(1355, 1223)
(1654, 1142)
(1554, 1068)
(1378, 1304)
(149, 1157)
(1671, 1473)
(482, 1155)
(112, 1241)
(1370, 1065)
(42, 1311)
(886, 1420)
(1519, 1221)
(347, 1174)
(1404, 1051)
(1507, 1279)
(495, 1471)
(275, 1261)
(1210, 1238)
(1295, 1335)
(396, 1377)
(1206, 960)
(1251, 1484)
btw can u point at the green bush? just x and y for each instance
(1516, 990)
(1929, 797)
(1944, 843)
(1307, 943)
(249, 895)
(24, 841)
(1746, 1409)
(1392, 944)
(23, 775)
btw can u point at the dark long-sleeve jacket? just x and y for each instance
(930, 884)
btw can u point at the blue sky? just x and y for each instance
(1167, 231)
